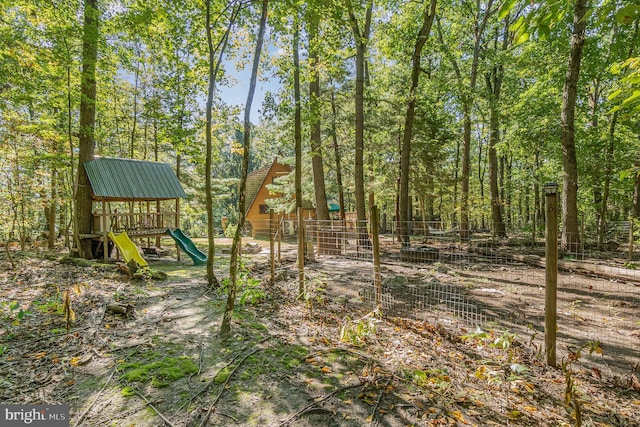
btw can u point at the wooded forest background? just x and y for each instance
(477, 95)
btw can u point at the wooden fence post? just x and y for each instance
(551, 273)
(631, 238)
(300, 253)
(272, 261)
(377, 279)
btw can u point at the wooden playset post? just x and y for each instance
(551, 270)
(177, 223)
(105, 238)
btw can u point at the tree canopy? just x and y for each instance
(485, 90)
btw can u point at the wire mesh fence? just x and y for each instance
(499, 284)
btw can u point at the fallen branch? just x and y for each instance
(339, 348)
(212, 380)
(224, 386)
(84, 414)
(126, 310)
(150, 405)
(377, 405)
(316, 401)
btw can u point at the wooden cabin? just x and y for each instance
(257, 200)
(139, 197)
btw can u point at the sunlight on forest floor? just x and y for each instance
(324, 360)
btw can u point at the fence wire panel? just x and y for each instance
(347, 239)
(492, 283)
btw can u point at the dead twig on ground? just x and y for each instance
(377, 405)
(229, 416)
(150, 405)
(199, 364)
(212, 380)
(224, 386)
(84, 414)
(316, 401)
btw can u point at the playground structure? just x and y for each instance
(187, 245)
(127, 248)
(137, 197)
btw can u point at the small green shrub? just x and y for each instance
(230, 231)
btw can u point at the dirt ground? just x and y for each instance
(321, 360)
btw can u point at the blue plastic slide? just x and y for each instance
(187, 246)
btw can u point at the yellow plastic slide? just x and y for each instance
(127, 248)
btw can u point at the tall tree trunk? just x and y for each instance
(608, 170)
(134, 127)
(72, 166)
(361, 37)
(87, 124)
(225, 327)
(214, 66)
(322, 210)
(297, 114)
(466, 97)
(494, 87)
(405, 154)
(570, 230)
(336, 150)
(53, 205)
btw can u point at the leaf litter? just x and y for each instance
(286, 364)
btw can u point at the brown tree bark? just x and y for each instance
(336, 150)
(87, 125)
(225, 327)
(608, 171)
(297, 114)
(361, 36)
(214, 66)
(322, 210)
(494, 87)
(405, 153)
(570, 229)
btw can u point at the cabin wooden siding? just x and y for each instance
(257, 187)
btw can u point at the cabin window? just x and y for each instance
(264, 209)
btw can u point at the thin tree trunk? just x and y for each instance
(225, 327)
(361, 37)
(51, 218)
(297, 119)
(405, 153)
(336, 149)
(608, 170)
(322, 210)
(72, 166)
(494, 86)
(570, 230)
(87, 123)
(214, 66)
(297, 136)
(134, 127)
